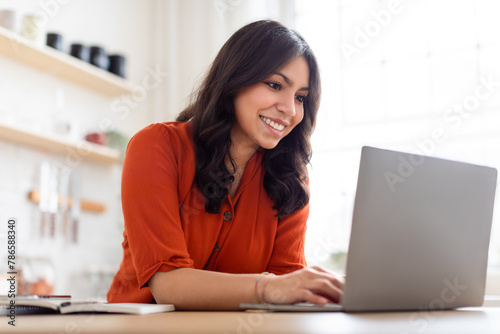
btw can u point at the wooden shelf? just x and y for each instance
(86, 205)
(63, 65)
(58, 144)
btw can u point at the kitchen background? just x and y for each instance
(165, 53)
(390, 70)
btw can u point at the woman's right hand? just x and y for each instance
(312, 285)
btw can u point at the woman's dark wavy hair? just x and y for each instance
(249, 56)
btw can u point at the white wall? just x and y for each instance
(28, 98)
(189, 34)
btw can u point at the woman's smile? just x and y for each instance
(274, 124)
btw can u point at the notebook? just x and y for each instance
(34, 304)
(419, 238)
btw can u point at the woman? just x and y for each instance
(221, 195)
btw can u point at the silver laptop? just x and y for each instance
(420, 235)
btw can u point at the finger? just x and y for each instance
(318, 268)
(326, 271)
(338, 282)
(325, 288)
(310, 297)
(336, 279)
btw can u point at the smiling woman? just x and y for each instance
(254, 57)
(221, 195)
(268, 111)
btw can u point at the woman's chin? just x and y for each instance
(269, 146)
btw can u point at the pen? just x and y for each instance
(79, 303)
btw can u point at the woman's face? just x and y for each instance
(267, 111)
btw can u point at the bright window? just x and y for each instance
(392, 73)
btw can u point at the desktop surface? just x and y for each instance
(466, 320)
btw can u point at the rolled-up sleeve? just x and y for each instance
(151, 205)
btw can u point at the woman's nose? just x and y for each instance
(287, 105)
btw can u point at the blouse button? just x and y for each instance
(216, 248)
(228, 216)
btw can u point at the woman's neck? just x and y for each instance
(241, 150)
(240, 158)
(241, 153)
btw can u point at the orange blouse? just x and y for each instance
(166, 226)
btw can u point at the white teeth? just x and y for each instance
(276, 126)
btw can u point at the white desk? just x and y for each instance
(470, 320)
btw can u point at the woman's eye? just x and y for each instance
(300, 98)
(274, 85)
